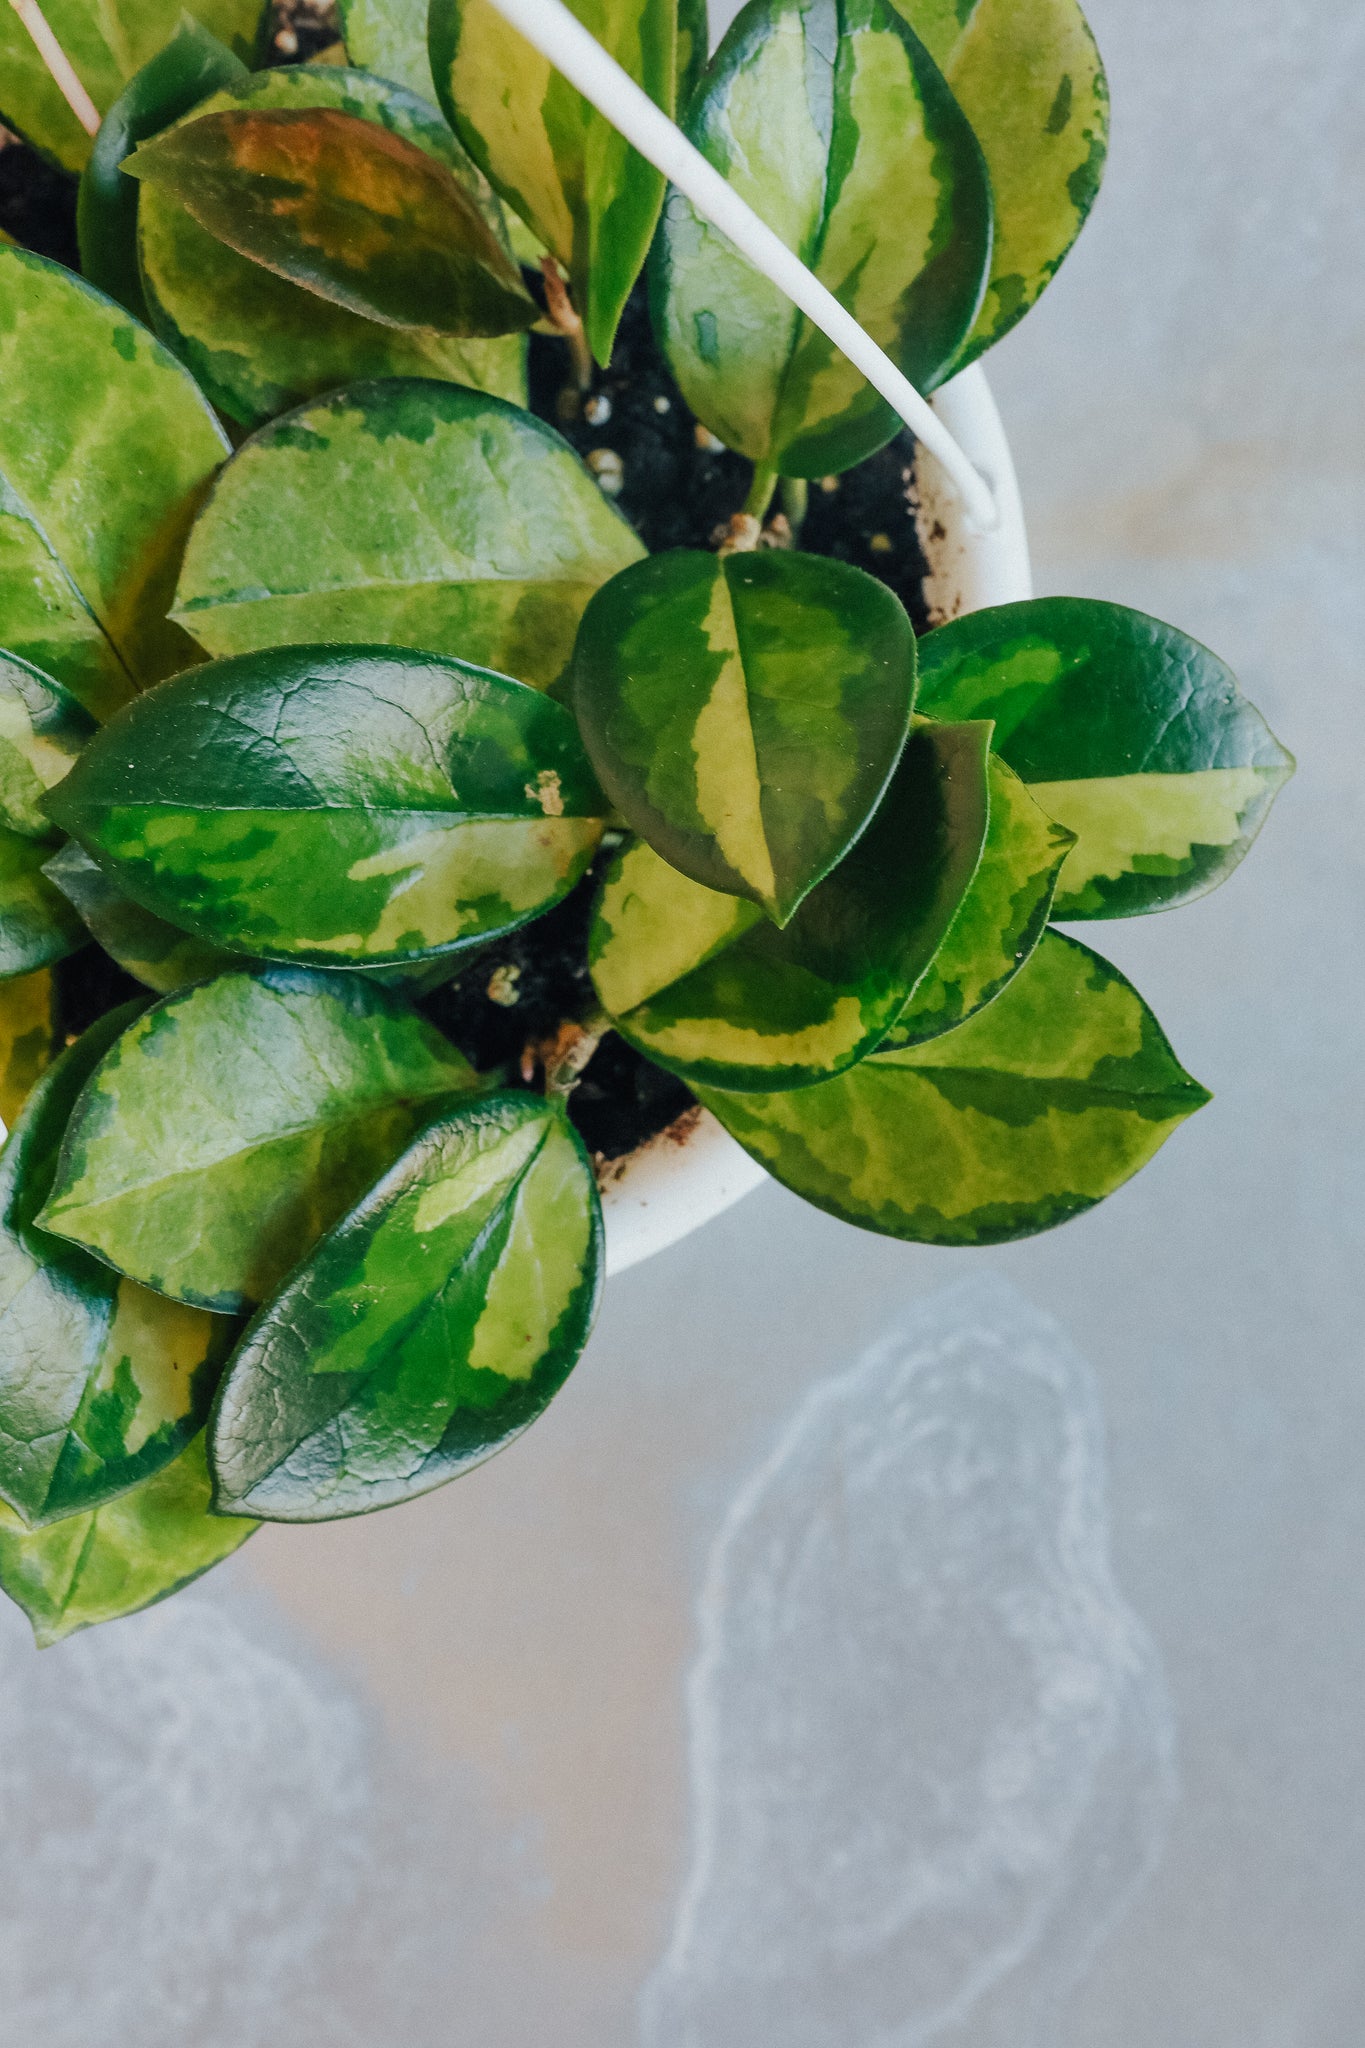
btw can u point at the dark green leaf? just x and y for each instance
(709, 989)
(351, 212)
(415, 513)
(1127, 732)
(37, 924)
(101, 1382)
(42, 729)
(429, 1328)
(233, 1123)
(144, 946)
(123, 1557)
(259, 343)
(190, 67)
(831, 119)
(557, 162)
(694, 42)
(1000, 920)
(87, 571)
(745, 715)
(108, 41)
(27, 1038)
(1029, 79)
(350, 806)
(1025, 1116)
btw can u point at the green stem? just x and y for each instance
(761, 491)
(795, 495)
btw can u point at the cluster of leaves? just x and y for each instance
(293, 732)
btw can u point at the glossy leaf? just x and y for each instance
(233, 1123)
(426, 1331)
(259, 343)
(1000, 920)
(42, 729)
(1025, 1116)
(154, 952)
(1127, 732)
(192, 65)
(415, 513)
(108, 41)
(351, 806)
(830, 118)
(123, 1557)
(694, 42)
(1028, 76)
(745, 715)
(101, 1382)
(353, 213)
(709, 989)
(27, 1039)
(105, 450)
(558, 163)
(390, 37)
(37, 924)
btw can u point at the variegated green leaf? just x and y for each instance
(154, 952)
(1127, 732)
(259, 343)
(27, 1039)
(426, 1331)
(356, 215)
(1028, 76)
(349, 806)
(745, 715)
(707, 987)
(557, 162)
(42, 729)
(1025, 1116)
(233, 1123)
(830, 118)
(37, 924)
(108, 41)
(105, 451)
(694, 42)
(101, 1382)
(390, 37)
(125, 1556)
(1000, 919)
(190, 67)
(414, 513)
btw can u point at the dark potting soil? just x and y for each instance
(678, 488)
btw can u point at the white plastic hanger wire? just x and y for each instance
(561, 38)
(59, 65)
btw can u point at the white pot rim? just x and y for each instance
(694, 1171)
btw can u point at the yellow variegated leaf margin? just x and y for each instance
(745, 715)
(558, 163)
(1023, 1117)
(1028, 77)
(398, 511)
(1001, 918)
(707, 987)
(121, 1558)
(106, 448)
(101, 1382)
(107, 42)
(234, 1122)
(259, 343)
(428, 1328)
(1127, 731)
(27, 1039)
(831, 119)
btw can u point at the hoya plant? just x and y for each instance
(376, 793)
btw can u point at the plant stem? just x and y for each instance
(564, 314)
(761, 492)
(564, 1057)
(59, 64)
(795, 495)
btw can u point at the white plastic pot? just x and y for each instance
(694, 1171)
